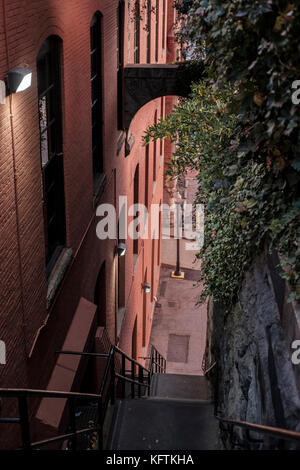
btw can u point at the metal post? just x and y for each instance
(140, 381)
(149, 382)
(178, 274)
(123, 373)
(132, 378)
(72, 412)
(100, 424)
(24, 421)
(112, 379)
(177, 271)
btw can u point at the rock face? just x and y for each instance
(257, 381)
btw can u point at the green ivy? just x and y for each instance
(246, 199)
(240, 129)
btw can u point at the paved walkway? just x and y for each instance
(179, 326)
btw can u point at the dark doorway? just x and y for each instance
(100, 296)
(145, 311)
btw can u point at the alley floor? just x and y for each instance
(179, 325)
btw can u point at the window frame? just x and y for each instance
(96, 81)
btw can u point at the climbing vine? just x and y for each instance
(240, 130)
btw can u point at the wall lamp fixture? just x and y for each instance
(18, 79)
(121, 249)
(147, 287)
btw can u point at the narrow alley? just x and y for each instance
(180, 322)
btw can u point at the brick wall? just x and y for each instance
(31, 332)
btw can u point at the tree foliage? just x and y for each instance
(240, 129)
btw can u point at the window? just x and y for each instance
(149, 8)
(147, 177)
(163, 36)
(145, 312)
(162, 106)
(159, 236)
(137, 32)
(97, 98)
(156, 30)
(50, 121)
(154, 151)
(121, 11)
(152, 269)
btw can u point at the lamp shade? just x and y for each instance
(18, 79)
(121, 249)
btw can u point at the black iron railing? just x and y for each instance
(157, 363)
(120, 370)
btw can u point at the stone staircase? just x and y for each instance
(178, 415)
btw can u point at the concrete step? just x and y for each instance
(163, 424)
(192, 387)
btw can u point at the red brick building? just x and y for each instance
(62, 154)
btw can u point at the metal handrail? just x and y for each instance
(78, 353)
(261, 428)
(64, 437)
(24, 392)
(118, 350)
(206, 371)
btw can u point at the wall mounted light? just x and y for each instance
(121, 249)
(147, 287)
(18, 79)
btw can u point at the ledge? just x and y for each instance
(130, 141)
(161, 159)
(153, 188)
(58, 273)
(99, 186)
(120, 142)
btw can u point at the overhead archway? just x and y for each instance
(146, 82)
